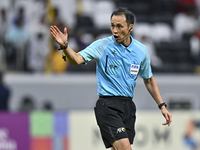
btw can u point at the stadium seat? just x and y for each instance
(101, 13)
(161, 32)
(141, 29)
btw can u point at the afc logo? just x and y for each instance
(134, 70)
(122, 129)
(134, 66)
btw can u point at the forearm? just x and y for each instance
(73, 57)
(153, 89)
(61, 39)
(155, 93)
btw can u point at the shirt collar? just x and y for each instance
(129, 48)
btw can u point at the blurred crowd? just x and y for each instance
(169, 28)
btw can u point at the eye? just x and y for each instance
(119, 26)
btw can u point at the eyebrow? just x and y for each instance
(116, 24)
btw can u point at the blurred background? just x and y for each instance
(52, 101)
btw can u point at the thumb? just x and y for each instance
(65, 31)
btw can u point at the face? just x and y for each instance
(120, 29)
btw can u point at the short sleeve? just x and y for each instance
(145, 68)
(93, 51)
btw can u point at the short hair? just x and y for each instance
(130, 18)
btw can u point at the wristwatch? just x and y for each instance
(162, 104)
(62, 48)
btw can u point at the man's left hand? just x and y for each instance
(167, 116)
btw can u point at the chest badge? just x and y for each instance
(134, 70)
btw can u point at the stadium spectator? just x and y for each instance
(4, 26)
(47, 105)
(17, 40)
(27, 104)
(195, 49)
(4, 94)
(32, 12)
(190, 141)
(3, 29)
(185, 23)
(36, 58)
(54, 63)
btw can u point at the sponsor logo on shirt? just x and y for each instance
(114, 52)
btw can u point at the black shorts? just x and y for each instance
(116, 119)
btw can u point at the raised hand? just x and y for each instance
(61, 38)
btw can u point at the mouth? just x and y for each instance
(116, 37)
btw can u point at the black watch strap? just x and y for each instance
(162, 104)
(62, 48)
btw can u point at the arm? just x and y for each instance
(155, 93)
(61, 39)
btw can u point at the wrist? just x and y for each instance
(162, 105)
(64, 44)
(63, 47)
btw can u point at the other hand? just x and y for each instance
(167, 116)
(61, 38)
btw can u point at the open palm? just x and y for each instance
(61, 38)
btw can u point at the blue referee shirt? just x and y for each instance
(118, 66)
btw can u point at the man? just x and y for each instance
(4, 95)
(120, 59)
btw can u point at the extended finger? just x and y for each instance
(170, 119)
(165, 123)
(57, 30)
(53, 30)
(53, 34)
(166, 117)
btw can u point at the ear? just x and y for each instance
(131, 27)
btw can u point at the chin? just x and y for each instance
(118, 41)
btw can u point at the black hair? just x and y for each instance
(130, 18)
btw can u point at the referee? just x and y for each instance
(120, 59)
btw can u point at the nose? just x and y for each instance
(114, 29)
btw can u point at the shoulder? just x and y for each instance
(104, 41)
(100, 43)
(140, 46)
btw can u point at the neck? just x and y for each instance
(126, 42)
